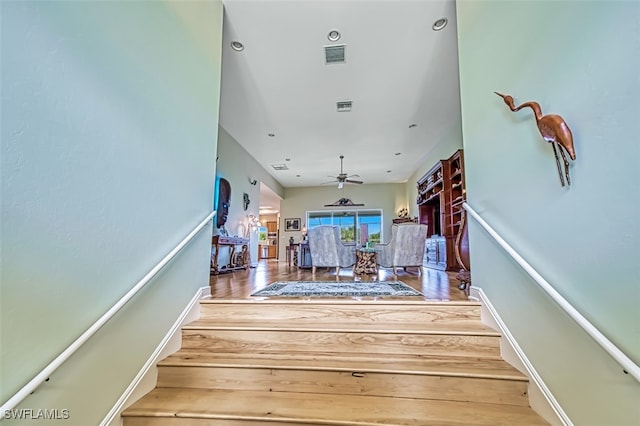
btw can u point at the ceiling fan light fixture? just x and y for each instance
(343, 177)
(439, 24)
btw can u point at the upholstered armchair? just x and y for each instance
(405, 248)
(327, 249)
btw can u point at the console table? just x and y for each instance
(239, 260)
(292, 254)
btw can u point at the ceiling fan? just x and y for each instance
(342, 178)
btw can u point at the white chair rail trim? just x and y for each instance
(72, 348)
(627, 364)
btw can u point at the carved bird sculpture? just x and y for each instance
(553, 129)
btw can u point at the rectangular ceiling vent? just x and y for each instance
(334, 54)
(344, 106)
(280, 166)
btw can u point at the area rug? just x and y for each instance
(337, 289)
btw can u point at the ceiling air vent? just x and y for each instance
(280, 167)
(344, 106)
(334, 54)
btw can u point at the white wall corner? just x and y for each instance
(541, 399)
(146, 379)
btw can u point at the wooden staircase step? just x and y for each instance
(486, 367)
(468, 338)
(443, 379)
(318, 311)
(467, 327)
(282, 362)
(176, 406)
(410, 343)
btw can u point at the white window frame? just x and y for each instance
(355, 212)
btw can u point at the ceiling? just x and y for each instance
(398, 71)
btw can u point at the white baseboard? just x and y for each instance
(146, 378)
(541, 399)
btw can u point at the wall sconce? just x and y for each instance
(253, 223)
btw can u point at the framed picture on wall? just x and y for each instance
(292, 224)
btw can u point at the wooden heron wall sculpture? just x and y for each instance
(553, 129)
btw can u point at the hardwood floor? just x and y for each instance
(435, 285)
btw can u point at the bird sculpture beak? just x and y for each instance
(500, 94)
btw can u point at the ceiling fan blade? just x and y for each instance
(353, 181)
(353, 176)
(327, 183)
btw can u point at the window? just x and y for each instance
(355, 225)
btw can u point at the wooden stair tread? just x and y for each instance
(469, 327)
(324, 409)
(495, 368)
(336, 362)
(319, 311)
(333, 302)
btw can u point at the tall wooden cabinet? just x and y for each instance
(441, 192)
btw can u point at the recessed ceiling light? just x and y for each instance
(271, 135)
(411, 126)
(237, 46)
(388, 171)
(297, 175)
(287, 159)
(440, 24)
(334, 35)
(398, 153)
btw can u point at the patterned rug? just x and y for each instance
(337, 289)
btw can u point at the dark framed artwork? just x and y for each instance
(292, 224)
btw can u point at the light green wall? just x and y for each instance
(580, 60)
(237, 166)
(109, 127)
(388, 197)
